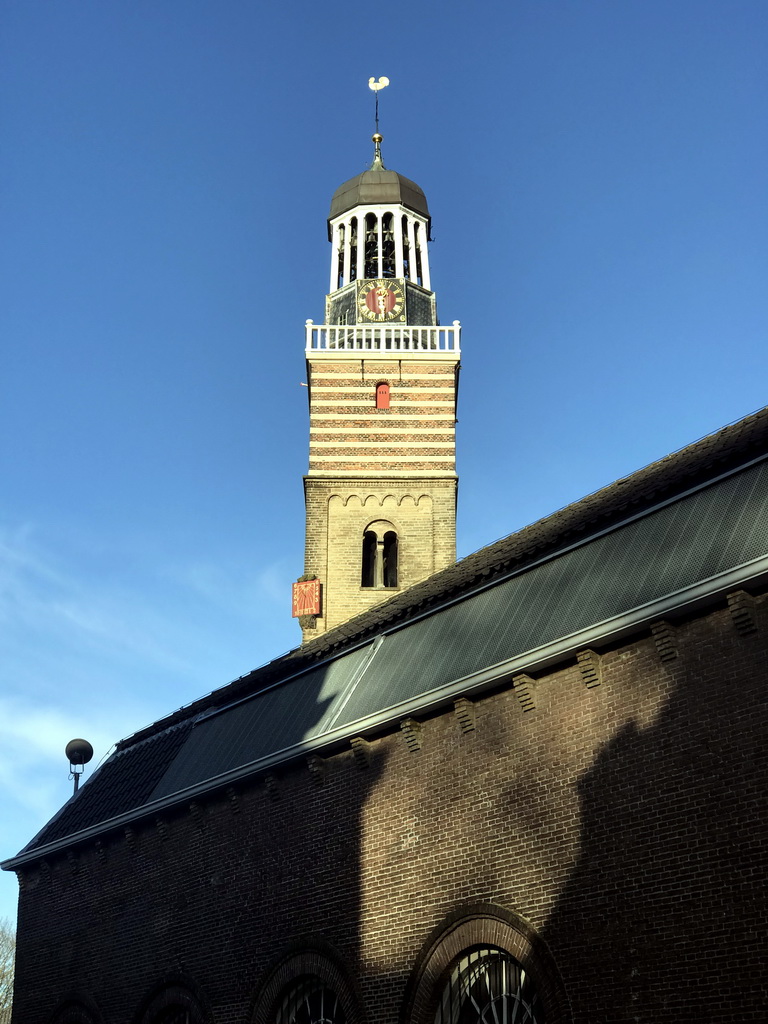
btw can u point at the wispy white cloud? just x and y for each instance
(98, 642)
(23, 574)
(38, 594)
(239, 589)
(31, 748)
(159, 618)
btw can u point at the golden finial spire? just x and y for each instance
(377, 140)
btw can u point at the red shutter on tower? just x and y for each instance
(382, 396)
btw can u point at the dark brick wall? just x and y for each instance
(623, 820)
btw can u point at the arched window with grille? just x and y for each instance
(75, 1010)
(307, 987)
(310, 1000)
(173, 1015)
(486, 965)
(489, 986)
(175, 1002)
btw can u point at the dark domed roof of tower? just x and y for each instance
(378, 185)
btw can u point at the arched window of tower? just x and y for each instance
(353, 249)
(371, 268)
(380, 556)
(368, 578)
(406, 247)
(389, 559)
(340, 262)
(388, 268)
(417, 233)
(382, 395)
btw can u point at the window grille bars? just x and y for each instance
(488, 986)
(310, 1001)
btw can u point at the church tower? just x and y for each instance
(380, 492)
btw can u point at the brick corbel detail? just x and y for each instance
(317, 767)
(742, 608)
(130, 837)
(412, 732)
(271, 786)
(665, 637)
(591, 672)
(525, 691)
(465, 713)
(234, 799)
(362, 750)
(73, 861)
(196, 813)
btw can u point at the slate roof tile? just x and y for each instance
(122, 783)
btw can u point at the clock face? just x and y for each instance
(380, 300)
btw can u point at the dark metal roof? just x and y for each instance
(378, 186)
(689, 518)
(691, 540)
(269, 722)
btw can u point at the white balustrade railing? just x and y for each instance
(382, 338)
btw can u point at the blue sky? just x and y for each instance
(596, 175)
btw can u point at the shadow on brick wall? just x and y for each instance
(665, 915)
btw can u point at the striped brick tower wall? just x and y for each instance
(370, 466)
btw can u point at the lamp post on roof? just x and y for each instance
(79, 752)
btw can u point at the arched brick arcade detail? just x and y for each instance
(322, 963)
(482, 925)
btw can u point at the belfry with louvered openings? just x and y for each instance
(380, 491)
